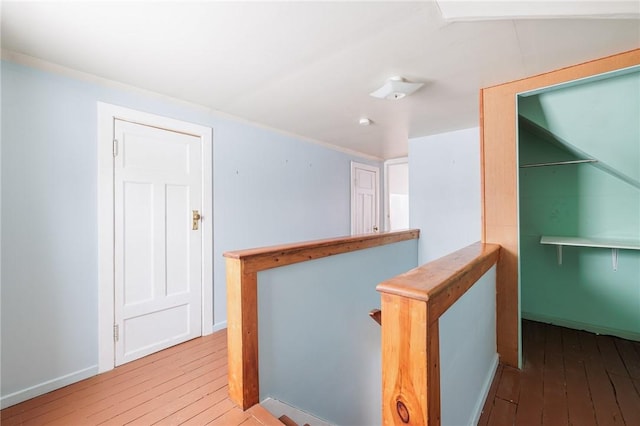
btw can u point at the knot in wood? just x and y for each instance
(403, 411)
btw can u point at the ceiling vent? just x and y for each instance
(396, 88)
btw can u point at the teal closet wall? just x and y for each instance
(601, 119)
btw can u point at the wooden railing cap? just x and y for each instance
(427, 281)
(326, 242)
(258, 259)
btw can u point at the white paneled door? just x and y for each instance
(157, 239)
(365, 198)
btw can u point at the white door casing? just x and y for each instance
(365, 198)
(142, 237)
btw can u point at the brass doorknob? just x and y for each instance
(196, 217)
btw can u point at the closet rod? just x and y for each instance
(558, 163)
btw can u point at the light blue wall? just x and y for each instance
(468, 357)
(268, 189)
(444, 191)
(444, 197)
(319, 350)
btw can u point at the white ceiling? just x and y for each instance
(307, 67)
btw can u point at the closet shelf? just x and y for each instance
(611, 243)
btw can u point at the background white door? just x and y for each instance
(396, 178)
(157, 264)
(365, 198)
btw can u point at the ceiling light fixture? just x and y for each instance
(365, 122)
(396, 88)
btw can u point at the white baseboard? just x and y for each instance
(48, 386)
(477, 410)
(219, 326)
(277, 408)
(577, 325)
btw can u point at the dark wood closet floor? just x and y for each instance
(569, 377)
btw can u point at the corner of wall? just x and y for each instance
(219, 326)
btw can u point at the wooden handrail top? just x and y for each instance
(443, 281)
(259, 259)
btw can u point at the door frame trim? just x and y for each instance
(369, 167)
(387, 194)
(107, 113)
(499, 184)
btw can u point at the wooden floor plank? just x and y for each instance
(603, 395)
(529, 410)
(109, 406)
(509, 388)
(212, 413)
(191, 378)
(158, 409)
(628, 399)
(503, 413)
(200, 409)
(569, 377)
(488, 405)
(251, 421)
(636, 383)
(187, 382)
(128, 370)
(555, 410)
(155, 399)
(579, 402)
(233, 416)
(115, 384)
(111, 401)
(630, 357)
(610, 356)
(263, 416)
(14, 420)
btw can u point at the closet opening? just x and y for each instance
(579, 204)
(578, 186)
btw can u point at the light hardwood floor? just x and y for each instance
(185, 384)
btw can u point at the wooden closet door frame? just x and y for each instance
(498, 147)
